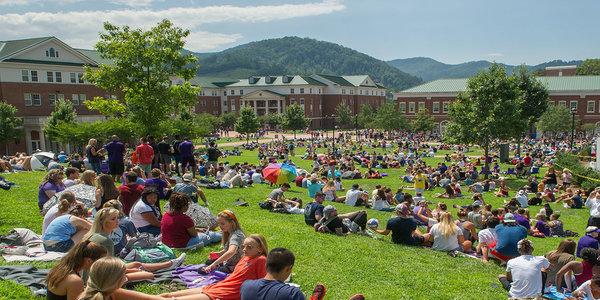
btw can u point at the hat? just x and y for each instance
(591, 229)
(509, 218)
(187, 177)
(328, 210)
(314, 176)
(475, 205)
(355, 186)
(402, 208)
(521, 192)
(62, 152)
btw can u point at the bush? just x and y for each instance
(565, 160)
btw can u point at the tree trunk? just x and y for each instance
(487, 163)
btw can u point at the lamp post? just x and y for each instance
(573, 112)
(333, 121)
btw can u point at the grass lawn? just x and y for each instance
(348, 265)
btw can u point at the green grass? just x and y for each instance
(348, 265)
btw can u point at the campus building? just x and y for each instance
(579, 93)
(34, 73)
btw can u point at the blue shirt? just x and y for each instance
(60, 229)
(508, 237)
(115, 151)
(62, 158)
(119, 236)
(313, 188)
(262, 289)
(402, 229)
(311, 210)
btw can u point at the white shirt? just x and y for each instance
(136, 214)
(441, 243)
(488, 236)
(379, 204)
(526, 272)
(69, 182)
(587, 289)
(352, 196)
(522, 200)
(593, 204)
(256, 177)
(338, 185)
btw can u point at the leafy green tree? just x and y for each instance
(487, 110)
(64, 112)
(342, 115)
(556, 119)
(294, 118)
(11, 128)
(389, 119)
(228, 119)
(142, 64)
(188, 124)
(366, 115)
(589, 67)
(533, 102)
(247, 122)
(539, 72)
(423, 122)
(273, 120)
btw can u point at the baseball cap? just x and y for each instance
(328, 210)
(591, 229)
(509, 218)
(187, 177)
(402, 208)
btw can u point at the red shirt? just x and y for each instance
(174, 229)
(145, 153)
(248, 268)
(527, 160)
(299, 181)
(129, 194)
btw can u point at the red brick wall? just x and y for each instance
(565, 72)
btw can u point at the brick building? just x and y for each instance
(579, 93)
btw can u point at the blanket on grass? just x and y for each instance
(34, 254)
(189, 274)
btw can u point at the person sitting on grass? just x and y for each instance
(541, 228)
(313, 212)
(487, 237)
(330, 191)
(575, 202)
(158, 181)
(502, 190)
(446, 236)
(403, 228)
(509, 234)
(380, 201)
(582, 270)
(589, 289)
(66, 230)
(354, 222)
(65, 203)
(146, 213)
(558, 258)
(50, 185)
(251, 266)
(72, 177)
(277, 196)
(535, 200)
(525, 275)
(357, 197)
(190, 187)
(466, 226)
(126, 228)
(231, 241)
(448, 193)
(589, 240)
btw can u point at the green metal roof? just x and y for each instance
(95, 56)
(312, 81)
(297, 80)
(8, 48)
(268, 91)
(337, 79)
(211, 82)
(552, 83)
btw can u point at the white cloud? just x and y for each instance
(80, 28)
(31, 2)
(134, 3)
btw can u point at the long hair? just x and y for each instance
(565, 246)
(87, 177)
(91, 143)
(330, 185)
(73, 261)
(116, 204)
(447, 224)
(105, 277)
(229, 216)
(261, 241)
(151, 190)
(108, 185)
(51, 176)
(100, 219)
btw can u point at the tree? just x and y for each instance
(11, 127)
(557, 118)
(389, 119)
(589, 67)
(192, 125)
(271, 119)
(64, 112)
(366, 115)
(533, 101)
(487, 110)
(228, 119)
(247, 122)
(142, 65)
(423, 122)
(342, 115)
(294, 118)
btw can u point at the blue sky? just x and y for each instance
(512, 32)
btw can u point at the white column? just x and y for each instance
(42, 139)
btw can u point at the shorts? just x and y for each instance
(116, 168)
(177, 159)
(211, 163)
(492, 247)
(62, 246)
(190, 160)
(164, 159)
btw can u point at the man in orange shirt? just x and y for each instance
(145, 155)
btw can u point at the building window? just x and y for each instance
(591, 106)
(291, 91)
(351, 101)
(73, 77)
(224, 102)
(37, 99)
(292, 101)
(28, 100)
(232, 92)
(343, 91)
(402, 107)
(232, 104)
(215, 102)
(573, 106)
(241, 92)
(58, 76)
(50, 76)
(445, 107)
(83, 97)
(75, 99)
(34, 76)
(51, 99)
(563, 103)
(61, 97)
(202, 102)
(351, 92)
(310, 90)
(25, 75)
(319, 90)
(51, 53)
(436, 107)
(421, 106)
(411, 107)
(301, 101)
(301, 90)
(360, 92)
(80, 77)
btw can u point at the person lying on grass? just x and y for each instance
(251, 266)
(403, 228)
(331, 222)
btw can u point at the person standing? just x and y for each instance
(154, 146)
(187, 156)
(145, 155)
(176, 153)
(94, 155)
(213, 156)
(164, 152)
(115, 150)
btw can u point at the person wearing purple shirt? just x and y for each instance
(115, 150)
(50, 185)
(186, 148)
(522, 221)
(589, 240)
(158, 181)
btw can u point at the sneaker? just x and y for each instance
(206, 203)
(177, 262)
(357, 297)
(318, 292)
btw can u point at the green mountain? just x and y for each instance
(430, 69)
(302, 56)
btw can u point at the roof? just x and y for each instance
(336, 79)
(552, 83)
(8, 48)
(211, 82)
(95, 56)
(278, 81)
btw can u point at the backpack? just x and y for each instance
(11, 239)
(142, 240)
(157, 254)
(322, 226)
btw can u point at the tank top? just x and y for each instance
(51, 296)
(328, 195)
(585, 275)
(466, 233)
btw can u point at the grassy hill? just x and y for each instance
(430, 69)
(303, 56)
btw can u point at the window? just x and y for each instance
(343, 91)
(411, 107)
(563, 103)
(225, 93)
(25, 75)
(241, 92)
(310, 90)
(73, 77)
(215, 102)
(58, 76)
(232, 104)
(51, 53)
(292, 101)
(351, 101)
(80, 77)
(224, 102)
(51, 99)
(344, 101)
(232, 92)
(215, 93)
(360, 92)
(421, 106)
(61, 97)
(301, 90)
(445, 107)
(75, 99)
(591, 106)
(83, 97)
(573, 106)
(351, 92)
(291, 91)
(319, 90)
(202, 102)
(436, 107)
(402, 107)
(50, 76)
(302, 102)
(37, 99)
(27, 99)
(34, 76)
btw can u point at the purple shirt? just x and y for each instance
(49, 186)
(522, 221)
(186, 149)
(586, 241)
(159, 184)
(542, 227)
(115, 151)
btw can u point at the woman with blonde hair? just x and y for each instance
(231, 242)
(330, 192)
(446, 236)
(50, 185)
(94, 155)
(125, 229)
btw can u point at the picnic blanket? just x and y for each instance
(189, 274)
(551, 293)
(34, 254)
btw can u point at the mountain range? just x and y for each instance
(306, 56)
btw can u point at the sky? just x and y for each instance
(509, 31)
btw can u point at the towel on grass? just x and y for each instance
(189, 274)
(34, 254)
